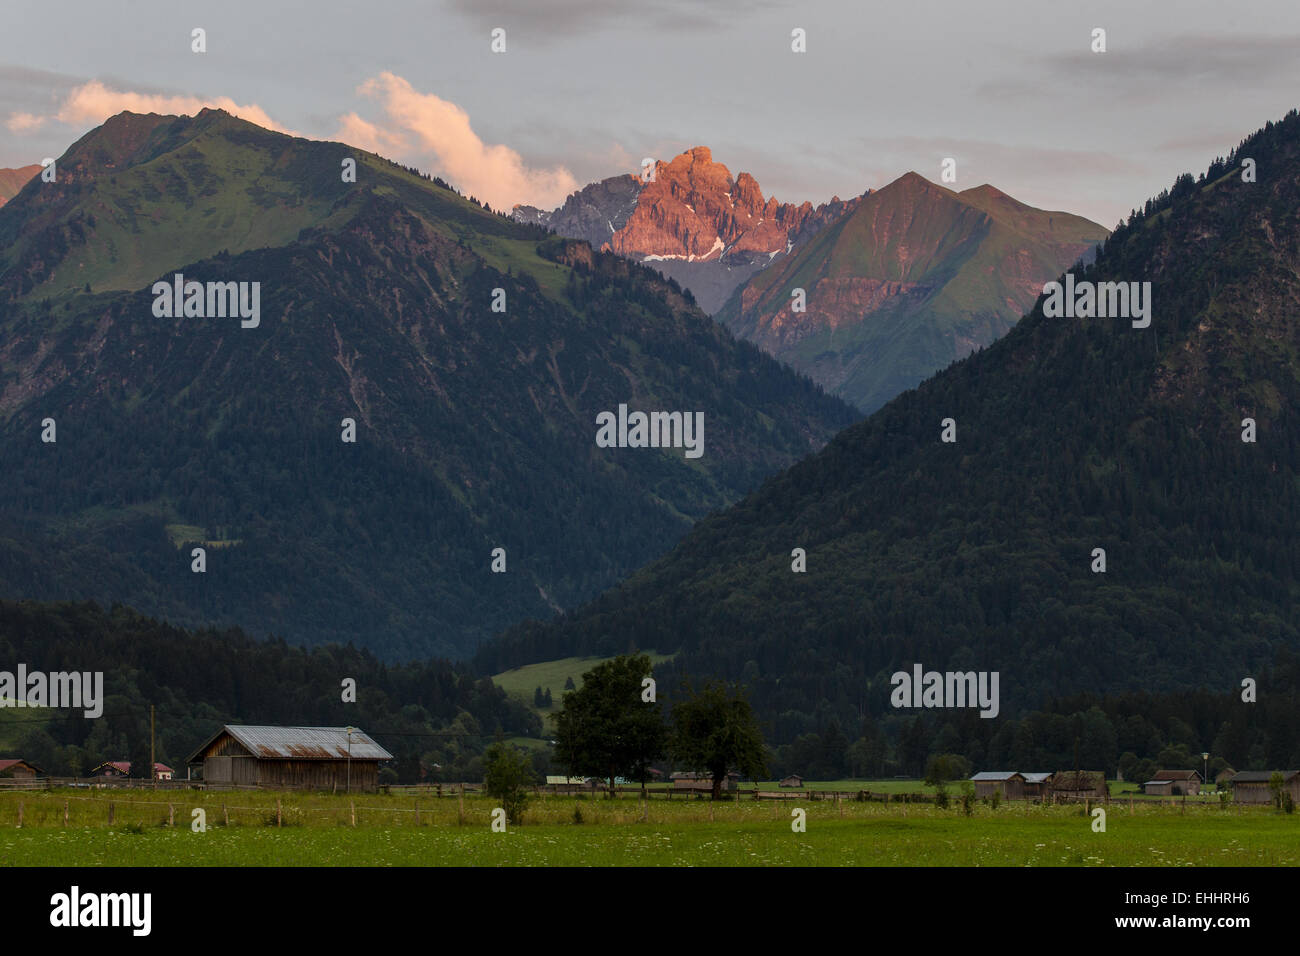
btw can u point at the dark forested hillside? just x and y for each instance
(424, 714)
(1071, 435)
(474, 426)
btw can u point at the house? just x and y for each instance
(1251, 786)
(1158, 788)
(702, 781)
(308, 758)
(1079, 785)
(794, 780)
(19, 769)
(121, 770)
(1183, 782)
(1008, 784)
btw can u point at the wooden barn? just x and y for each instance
(121, 770)
(1079, 785)
(1037, 785)
(1251, 786)
(1008, 784)
(794, 780)
(19, 769)
(292, 758)
(1182, 782)
(1158, 788)
(702, 781)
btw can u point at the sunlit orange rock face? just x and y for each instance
(694, 209)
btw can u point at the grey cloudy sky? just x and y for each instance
(586, 88)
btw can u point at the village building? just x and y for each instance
(121, 770)
(1007, 784)
(16, 769)
(1252, 786)
(1182, 782)
(1070, 785)
(305, 758)
(702, 781)
(1158, 788)
(793, 780)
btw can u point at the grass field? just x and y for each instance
(317, 830)
(522, 681)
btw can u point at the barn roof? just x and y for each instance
(300, 743)
(1177, 775)
(984, 775)
(1262, 776)
(13, 762)
(1036, 777)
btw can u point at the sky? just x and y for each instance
(1010, 89)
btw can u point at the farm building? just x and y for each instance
(1158, 788)
(702, 781)
(794, 780)
(308, 758)
(19, 769)
(1037, 785)
(1079, 785)
(1183, 782)
(1251, 786)
(1224, 777)
(121, 769)
(1008, 784)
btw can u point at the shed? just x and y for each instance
(121, 769)
(1184, 782)
(307, 758)
(19, 769)
(1008, 784)
(794, 780)
(1037, 784)
(702, 781)
(1079, 785)
(1251, 786)
(1158, 788)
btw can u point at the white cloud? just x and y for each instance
(423, 127)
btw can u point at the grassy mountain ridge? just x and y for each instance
(475, 428)
(911, 278)
(1071, 435)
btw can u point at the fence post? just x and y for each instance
(225, 814)
(171, 814)
(65, 813)
(417, 813)
(460, 806)
(110, 813)
(353, 805)
(277, 811)
(20, 814)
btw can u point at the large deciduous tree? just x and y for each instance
(605, 728)
(715, 731)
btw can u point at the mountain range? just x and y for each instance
(897, 283)
(467, 356)
(1089, 504)
(691, 220)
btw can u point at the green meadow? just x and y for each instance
(318, 830)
